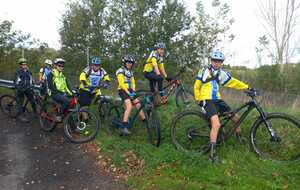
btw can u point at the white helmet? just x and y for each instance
(48, 62)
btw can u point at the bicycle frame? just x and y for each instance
(252, 104)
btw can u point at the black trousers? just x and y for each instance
(63, 100)
(20, 95)
(153, 80)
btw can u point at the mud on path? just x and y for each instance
(31, 159)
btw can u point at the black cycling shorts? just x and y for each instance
(123, 95)
(214, 107)
(85, 97)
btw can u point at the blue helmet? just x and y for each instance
(96, 61)
(217, 55)
(160, 45)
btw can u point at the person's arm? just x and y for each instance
(121, 81)
(162, 69)
(155, 66)
(83, 79)
(41, 73)
(228, 81)
(132, 80)
(197, 87)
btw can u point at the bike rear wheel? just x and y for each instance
(8, 105)
(113, 119)
(190, 132)
(284, 146)
(153, 127)
(81, 126)
(47, 116)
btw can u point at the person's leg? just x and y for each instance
(152, 81)
(137, 104)
(212, 113)
(128, 107)
(63, 100)
(224, 107)
(30, 97)
(20, 101)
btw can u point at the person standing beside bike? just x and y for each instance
(90, 80)
(127, 91)
(59, 86)
(154, 70)
(44, 74)
(24, 87)
(207, 94)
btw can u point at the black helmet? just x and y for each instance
(59, 61)
(160, 45)
(128, 58)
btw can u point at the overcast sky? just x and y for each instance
(30, 16)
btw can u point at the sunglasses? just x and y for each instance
(61, 66)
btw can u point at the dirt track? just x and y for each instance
(35, 160)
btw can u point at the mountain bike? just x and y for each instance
(272, 136)
(9, 107)
(183, 96)
(113, 113)
(80, 125)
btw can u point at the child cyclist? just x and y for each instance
(207, 94)
(127, 91)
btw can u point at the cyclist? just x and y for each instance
(154, 70)
(207, 94)
(126, 90)
(58, 84)
(44, 73)
(90, 80)
(24, 87)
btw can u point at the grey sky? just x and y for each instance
(30, 15)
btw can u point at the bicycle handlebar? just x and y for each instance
(252, 92)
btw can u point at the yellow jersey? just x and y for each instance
(208, 81)
(125, 79)
(154, 59)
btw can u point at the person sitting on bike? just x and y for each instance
(154, 70)
(24, 87)
(207, 94)
(127, 91)
(58, 85)
(44, 73)
(90, 80)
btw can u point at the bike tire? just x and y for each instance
(153, 128)
(8, 105)
(113, 119)
(78, 129)
(184, 98)
(47, 116)
(190, 132)
(284, 148)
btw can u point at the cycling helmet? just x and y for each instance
(128, 58)
(59, 61)
(217, 55)
(160, 45)
(48, 62)
(96, 61)
(22, 61)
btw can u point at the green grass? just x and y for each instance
(167, 168)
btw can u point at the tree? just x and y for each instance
(279, 20)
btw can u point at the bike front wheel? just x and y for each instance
(276, 137)
(190, 132)
(153, 128)
(81, 126)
